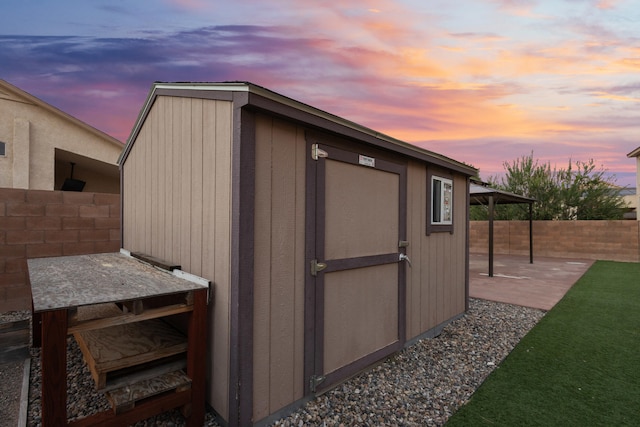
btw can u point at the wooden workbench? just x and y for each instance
(65, 291)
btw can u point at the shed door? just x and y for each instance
(356, 267)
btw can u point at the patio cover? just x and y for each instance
(481, 194)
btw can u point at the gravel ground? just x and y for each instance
(421, 385)
(11, 375)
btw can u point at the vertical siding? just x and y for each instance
(279, 266)
(436, 281)
(177, 207)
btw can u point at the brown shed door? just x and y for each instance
(359, 279)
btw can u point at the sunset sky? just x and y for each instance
(481, 81)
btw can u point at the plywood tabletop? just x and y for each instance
(73, 281)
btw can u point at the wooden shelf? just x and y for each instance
(110, 350)
(126, 398)
(114, 306)
(106, 315)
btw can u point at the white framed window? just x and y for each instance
(441, 201)
(3, 149)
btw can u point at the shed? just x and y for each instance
(330, 245)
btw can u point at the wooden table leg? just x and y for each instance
(53, 357)
(196, 354)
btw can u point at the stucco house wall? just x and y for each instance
(38, 143)
(636, 154)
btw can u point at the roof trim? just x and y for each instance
(40, 103)
(255, 97)
(479, 195)
(634, 153)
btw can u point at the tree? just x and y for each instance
(578, 192)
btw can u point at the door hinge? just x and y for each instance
(317, 266)
(317, 153)
(315, 381)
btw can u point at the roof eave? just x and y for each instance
(265, 93)
(634, 153)
(42, 104)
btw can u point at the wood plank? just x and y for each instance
(146, 372)
(126, 398)
(70, 281)
(196, 369)
(143, 411)
(54, 368)
(157, 262)
(124, 318)
(122, 346)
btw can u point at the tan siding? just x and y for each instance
(262, 267)
(436, 281)
(220, 351)
(279, 266)
(283, 267)
(178, 207)
(197, 182)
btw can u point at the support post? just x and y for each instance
(53, 357)
(490, 236)
(196, 355)
(530, 233)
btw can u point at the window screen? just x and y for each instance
(441, 201)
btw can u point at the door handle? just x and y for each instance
(404, 257)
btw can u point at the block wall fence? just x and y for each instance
(37, 223)
(594, 240)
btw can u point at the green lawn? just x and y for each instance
(580, 365)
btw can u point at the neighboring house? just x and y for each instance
(636, 202)
(304, 222)
(630, 197)
(43, 148)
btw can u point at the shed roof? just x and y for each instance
(249, 95)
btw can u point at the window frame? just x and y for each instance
(442, 226)
(3, 149)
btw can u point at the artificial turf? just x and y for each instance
(579, 366)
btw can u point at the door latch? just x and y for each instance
(317, 266)
(404, 257)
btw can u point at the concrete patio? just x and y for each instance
(515, 281)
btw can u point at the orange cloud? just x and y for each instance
(607, 4)
(616, 97)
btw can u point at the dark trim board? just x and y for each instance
(242, 266)
(349, 370)
(311, 167)
(438, 228)
(433, 332)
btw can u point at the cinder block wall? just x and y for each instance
(36, 224)
(605, 240)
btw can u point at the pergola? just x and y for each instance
(481, 194)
